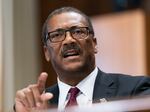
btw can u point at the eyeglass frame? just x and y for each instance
(70, 31)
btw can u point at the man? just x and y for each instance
(70, 45)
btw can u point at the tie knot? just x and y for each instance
(74, 91)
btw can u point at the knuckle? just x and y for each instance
(27, 91)
(32, 86)
(18, 92)
(20, 95)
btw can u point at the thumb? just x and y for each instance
(44, 101)
(46, 96)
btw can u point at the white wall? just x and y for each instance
(7, 54)
(19, 51)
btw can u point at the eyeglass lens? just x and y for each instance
(76, 32)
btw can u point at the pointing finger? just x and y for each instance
(42, 81)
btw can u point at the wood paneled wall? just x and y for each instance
(147, 23)
(121, 42)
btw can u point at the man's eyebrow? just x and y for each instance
(74, 26)
(58, 29)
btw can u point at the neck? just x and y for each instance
(73, 78)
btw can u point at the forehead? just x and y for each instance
(66, 20)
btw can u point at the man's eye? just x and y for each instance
(55, 35)
(78, 31)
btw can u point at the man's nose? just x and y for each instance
(69, 38)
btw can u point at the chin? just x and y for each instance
(73, 67)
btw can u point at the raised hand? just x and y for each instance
(33, 97)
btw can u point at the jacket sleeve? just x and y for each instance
(142, 87)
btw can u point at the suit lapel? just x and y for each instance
(105, 86)
(55, 91)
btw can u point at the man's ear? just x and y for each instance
(46, 52)
(95, 45)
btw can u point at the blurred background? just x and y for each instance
(122, 28)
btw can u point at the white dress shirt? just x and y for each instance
(85, 95)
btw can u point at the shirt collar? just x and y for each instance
(63, 92)
(86, 86)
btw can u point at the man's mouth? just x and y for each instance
(70, 53)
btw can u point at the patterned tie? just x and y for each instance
(73, 94)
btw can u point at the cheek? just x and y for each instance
(89, 45)
(54, 51)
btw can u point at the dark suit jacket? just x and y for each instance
(108, 85)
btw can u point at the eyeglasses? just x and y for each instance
(60, 34)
